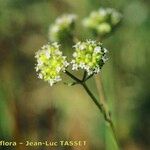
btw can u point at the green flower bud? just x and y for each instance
(103, 28)
(115, 18)
(102, 21)
(62, 28)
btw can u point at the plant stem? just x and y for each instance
(73, 77)
(106, 114)
(88, 77)
(102, 98)
(100, 89)
(84, 76)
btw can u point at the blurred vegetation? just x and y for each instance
(30, 109)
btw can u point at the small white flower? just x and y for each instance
(102, 12)
(57, 52)
(37, 68)
(77, 45)
(58, 69)
(56, 44)
(104, 58)
(82, 65)
(97, 49)
(47, 53)
(66, 64)
(40, 76)
(82, 47)
(105, 50)
(40, 63)
(74, 54)
(51, 82)
(62, 26)
(58, 79)
(55, 29)
(74, 67)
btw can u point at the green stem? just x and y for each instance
(106, 114)
(92, 96)
(100, 106)
(73, 77)
(84, 76)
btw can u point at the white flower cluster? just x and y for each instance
(102, 21)
(62, 27)
(90, 56)
(50, 63)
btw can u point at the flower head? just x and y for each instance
(62, 27)
(50, 63)
(102, 21)
(89, 55)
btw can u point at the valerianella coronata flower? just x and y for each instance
(50, 63)
(102, 21)
(89, 55)
(62, 28)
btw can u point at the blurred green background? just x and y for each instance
(32, 110)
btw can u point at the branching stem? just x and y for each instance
(105, 113)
